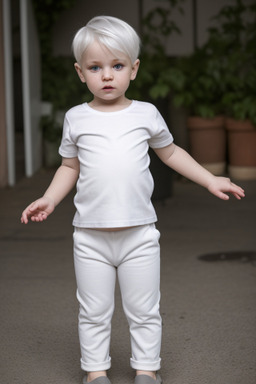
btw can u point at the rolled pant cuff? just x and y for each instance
(145, 366)
(94, 367)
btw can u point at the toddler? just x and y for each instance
(104, 152)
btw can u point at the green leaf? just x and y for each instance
(159, 91)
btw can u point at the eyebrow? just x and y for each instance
(114, 61)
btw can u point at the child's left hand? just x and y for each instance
(220, 186)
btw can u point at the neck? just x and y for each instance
(110, 106)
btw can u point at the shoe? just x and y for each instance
(99, 380)
(145, 379)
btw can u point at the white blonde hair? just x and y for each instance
(110, 31)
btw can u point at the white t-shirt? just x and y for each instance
(115, 185)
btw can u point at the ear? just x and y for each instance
(79, 72)
(135, 69)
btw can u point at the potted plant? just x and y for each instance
(238, 29)
(195, 83)
(241, 127)
(220, 79)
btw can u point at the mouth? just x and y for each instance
(108, 87)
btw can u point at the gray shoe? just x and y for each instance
(99, 380)
(145, 379)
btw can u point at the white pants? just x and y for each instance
(132, 255)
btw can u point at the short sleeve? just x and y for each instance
(67, 147)
(161, 136)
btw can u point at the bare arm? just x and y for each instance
(63, 181)
(179, 160)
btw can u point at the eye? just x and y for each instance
(94, 68)
(118, 67)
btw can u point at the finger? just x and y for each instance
(237, 186)
(40, 216)
(238, 189)
(238, 192)
(24, 219)
(36, 217)
(33, 207)
(237, 196)
(222, 195)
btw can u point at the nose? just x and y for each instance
(107, 74)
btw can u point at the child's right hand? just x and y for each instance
(39, 210)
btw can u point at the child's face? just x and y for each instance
(106, 74)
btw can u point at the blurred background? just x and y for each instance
(197, 65)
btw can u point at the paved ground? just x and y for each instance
(208, 306)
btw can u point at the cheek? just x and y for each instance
(90, 81)
(125, 80)
(92, 84)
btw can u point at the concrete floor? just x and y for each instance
(208, 306)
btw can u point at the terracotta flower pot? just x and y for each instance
(241, 149)
(207, 140)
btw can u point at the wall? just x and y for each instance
(71, 20)
(3, 146)
(83, 11)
